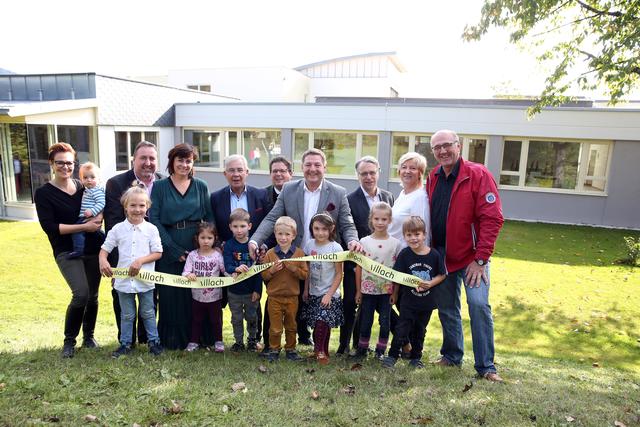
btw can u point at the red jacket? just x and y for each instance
(474, 218)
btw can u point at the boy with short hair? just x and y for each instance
(283, 289)
(93, 201)
(416, 304)
(243, 297)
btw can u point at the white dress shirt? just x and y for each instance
(371, 200)
(133, 242)
(311, 202)
(239, 201)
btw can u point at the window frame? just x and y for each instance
(581, 176)
(393, 166)
(128, 130)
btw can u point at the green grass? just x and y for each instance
(567, 342)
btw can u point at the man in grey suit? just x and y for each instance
(360, 202)
(301, 200)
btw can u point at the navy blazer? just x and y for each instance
(360, 209)
(257, 202)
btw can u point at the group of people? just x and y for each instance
(444, 233)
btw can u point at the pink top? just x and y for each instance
(204, 266)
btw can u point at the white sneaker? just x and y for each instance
(192, 346)
(218, 347)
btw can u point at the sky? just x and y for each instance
(141, 37)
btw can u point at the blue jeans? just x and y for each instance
(481, 322)
(128, 314)
(369, 305)
(78, 238)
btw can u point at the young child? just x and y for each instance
(283, 289)
(373, 292)
(323, 310)
(244, 296)
(139, 247)
(205, 262)
(416, 304)
(93, 201)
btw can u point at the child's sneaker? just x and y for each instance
(237, 347)
(218, 347)
(155, 348)
(379, 353)
(121, 351)
(389, 362)
(293, 356)
(416, 363)
(322, 357)
(252, 346)
(273, 355)
(192, 346)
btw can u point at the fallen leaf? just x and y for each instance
(54, 419)
(315, 395)
(310, 370)
(44, 402)
(225, 409)
(174, 409)
(570, 419)
(262, 369)
(90, 418)
(2, 386)
(136, 425)
(349, 389)
(595, 365)
(619, 424)
(356, 367)
(238, 386)
(402, 381)
(422, 420)
(467, 387)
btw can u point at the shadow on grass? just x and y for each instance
(608, 338)
(562, 244)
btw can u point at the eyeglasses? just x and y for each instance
(370, 173)
(61, 163)
(282, 171)
(444, 146)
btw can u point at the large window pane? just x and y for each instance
(597, 167)
(552, 164)
(208, 146)
(370, 145)
(423, 146)
(259, 147)
(80, 138)
(511, 156)
(340, 150)
(233, 142)
(122, 152)
(39, 155)
(477, 149)
(21, 191)
(300, 145)
(150, 137)
(398, 148)
(134, 139)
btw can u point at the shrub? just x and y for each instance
(633, 249)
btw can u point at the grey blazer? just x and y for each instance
(291, 203)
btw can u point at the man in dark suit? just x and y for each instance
(239, 195)
(145, 157)
(360, 202)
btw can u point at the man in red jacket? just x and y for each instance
(466, 217)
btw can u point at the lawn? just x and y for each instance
(567, 342)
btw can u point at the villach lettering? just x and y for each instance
(148, 276)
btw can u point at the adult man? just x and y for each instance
(144, 173)
(466, 217)
(281, 173)
(360, 202)
(302, 199)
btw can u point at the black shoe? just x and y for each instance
(379, 354)
(389, 362)
(237, 347)
(252, 347)
(155, 348)
(306, 341)
(293, 356)
(265, 352)
(274, 355)
(68, 351)
(90, 343)
(360, 354)
(121, 351)
(342, 350)
(416, 363)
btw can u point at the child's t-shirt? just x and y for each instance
(385, 252)
(236, 254)
(210, 265)
(426, 267)
(93, 199)
(321, 274)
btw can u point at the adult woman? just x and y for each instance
(58, 204)
(178, 204)
(413, 199)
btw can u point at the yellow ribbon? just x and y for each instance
(366, 263)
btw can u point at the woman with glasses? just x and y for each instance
(413, 200)
(179, 204)
(58, 203)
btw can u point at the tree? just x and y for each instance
(588, 43)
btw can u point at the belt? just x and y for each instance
(181, 225)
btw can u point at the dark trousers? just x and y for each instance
(369, 305)
(350, 329)
(211, 311)
(266, 324)
(304, 335)
(83, 278)
(139, 325)
(411, 327)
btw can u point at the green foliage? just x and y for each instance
(597, 42)
(633, 249)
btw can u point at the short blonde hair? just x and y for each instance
(285, 221)
(414, 224)
(420, 160)
(89, 166)
(379, 206)
(135, 191)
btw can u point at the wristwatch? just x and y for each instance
(481, 262)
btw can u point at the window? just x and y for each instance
(258, 146)
(83, 140)
(341, 149)
(403, 143)
(201, 88)
(126, 142)
(474, 149)
(555, 164)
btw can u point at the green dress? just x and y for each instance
(168, 207)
